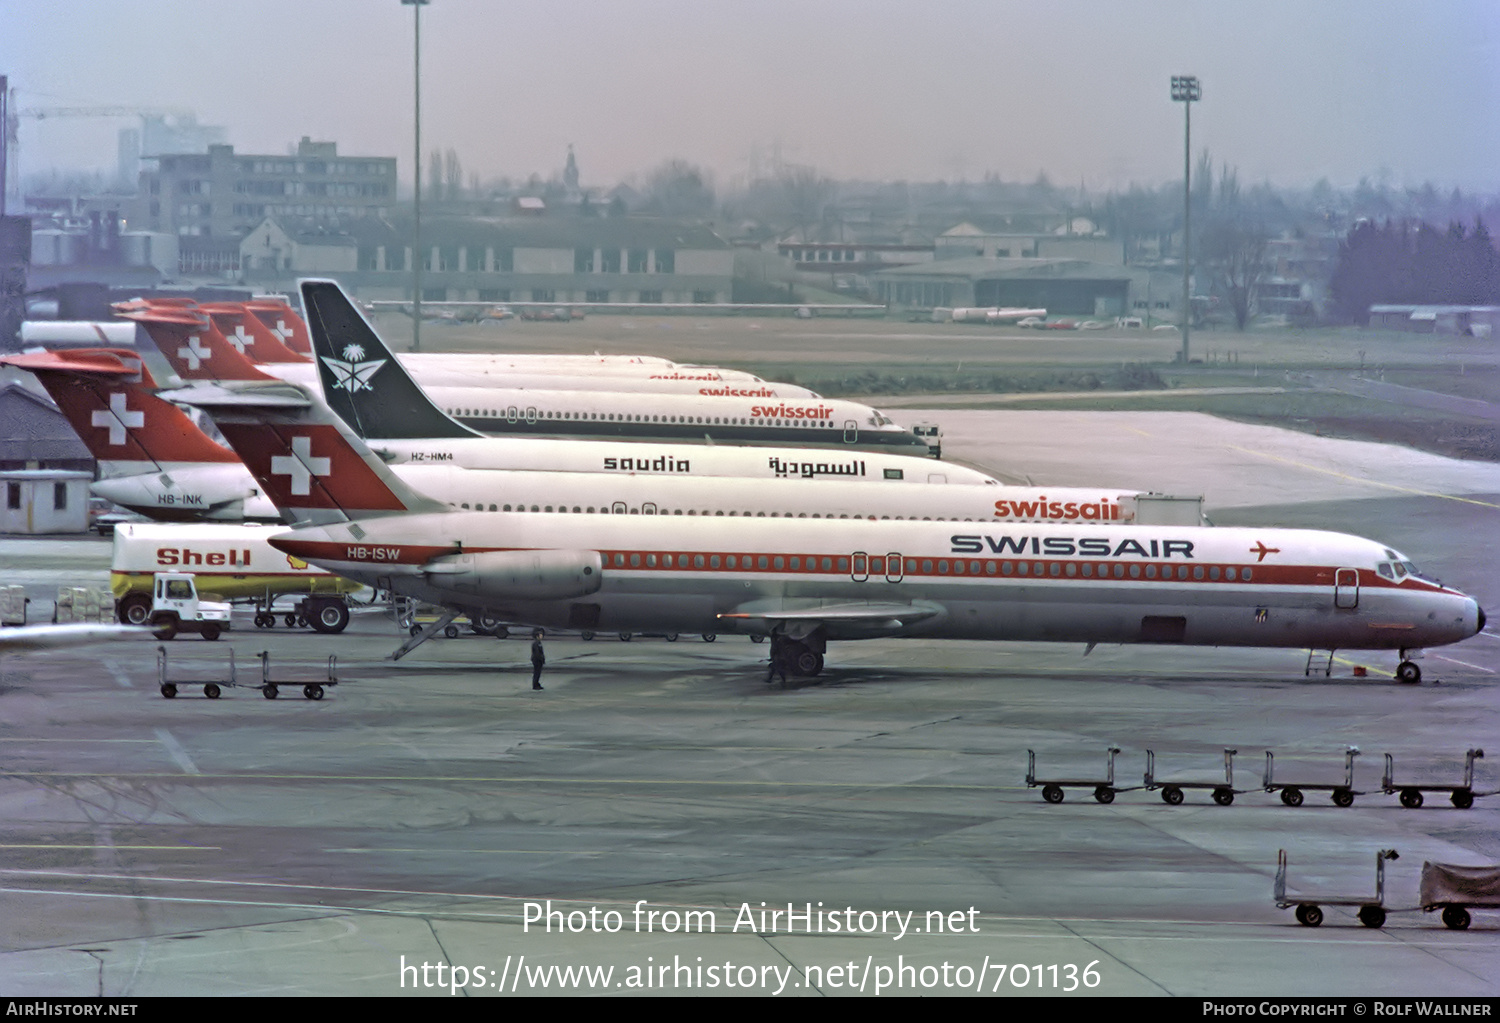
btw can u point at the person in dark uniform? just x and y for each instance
(778, 660)
(538, 658)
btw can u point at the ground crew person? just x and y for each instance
(538, 658)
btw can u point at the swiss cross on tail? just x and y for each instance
(1261, 550)
(118, 419)
(240, 339)
(194, 352)
(350, 373)
(301, 466)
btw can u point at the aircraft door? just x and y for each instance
(618, 508)
(859, 566)
(893, 567)
(512, 415)
(1346, 588)
(851, 431)
(648, 508)
(530, 416)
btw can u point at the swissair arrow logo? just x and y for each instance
(1261, 550)
(350, 373)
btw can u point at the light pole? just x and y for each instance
(416, 229)
(1185, 90)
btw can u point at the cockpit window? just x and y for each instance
(1400, 570)
(1384, 568)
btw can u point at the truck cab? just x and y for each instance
(932, 433)
(176, 607)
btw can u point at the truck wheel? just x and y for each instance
(291, 619)
(1456, 918)
(134, 609)
(1372, 916)
(166, 628)
(329, 616)
(210, 632)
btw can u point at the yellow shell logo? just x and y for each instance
(296, 563)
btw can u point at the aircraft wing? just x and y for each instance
(850, 619)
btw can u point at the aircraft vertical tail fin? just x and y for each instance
(282, 320)
(250, 337)
(363, 382)
(193, 345)
(310, 465)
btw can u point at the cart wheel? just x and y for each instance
(302, 621)
(1223, 796)
(1462, 798)
(1456, 917)
(451, 631)
(415, 630)
(1291, 796)
(586, 634)
(671, 637)
(1309, 915)
(757, 638)
(1411, 798)
(1343, 797)
(312, 691)
(169, 690)
(1104, 794)
(709, 637)
(624, 637)
(1372, 916)
(1171, 795)
(291, 620)
(211, 691)
(269, 691)
(1052, 793)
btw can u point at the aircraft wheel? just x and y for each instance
(1171, 795)
(1309, 915)
(1372, 916)
(1408, 672)
(1104, 794)
(500, 632)
(625, 637)
(290, 619)
(671, 637)
(270, 692)
(330, 617)
(1456, 918)
(1052, 793)
(135, 609)
(1462, 798)
(757, 638)
(1291, 796)
(1223, 796)
(312, 691)
(168, 690)
(1343, 797)
(709, 637)
(1411, 798)
(302, 621)
(804, 662)
(586, 635)
(211, 691)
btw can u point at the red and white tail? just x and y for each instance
(192, 344)
(250, 337)
(313, 468)
(283, 321)
(108, 398)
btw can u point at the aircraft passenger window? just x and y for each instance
(697, 561)
(926, 566)
(796, 564)
(989, 568)
(619, 561)
(635, 561)
(1213, 573)
(1119, 571)
(1071, 570)
(1229, 574)
(549, 507)
(1197, 571)
(1245, 575)
(507, 507)
(780, 563)
(651, 561)
(692, 511)
(1037, 569)
(1056, 569)
(942, 568)
(1088, 570)
(760, 562)
(1023, 568)
(533, 508)
(729, 562)
(1182, 572)
(1150, 571)
(713, 562)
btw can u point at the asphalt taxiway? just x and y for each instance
(425, 808)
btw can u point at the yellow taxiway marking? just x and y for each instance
(1362, 479)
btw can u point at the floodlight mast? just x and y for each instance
(416, 230)
(1185, 90)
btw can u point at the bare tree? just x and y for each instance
(1234, 250)
(453, 175)
(680, 189)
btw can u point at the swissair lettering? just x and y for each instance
(1055, 546)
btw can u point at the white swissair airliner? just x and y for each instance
(809, 581)
(197, 350)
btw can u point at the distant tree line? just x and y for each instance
(1398, 264)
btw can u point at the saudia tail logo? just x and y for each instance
(350, 373)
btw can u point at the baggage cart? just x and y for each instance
(1460, 795)
(1310, 906)
(1171, 791)
(211, 687)
(1052, 789)
(1454, 890)
(312, 689)
(1342, 793)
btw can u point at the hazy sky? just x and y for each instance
(879, 89)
